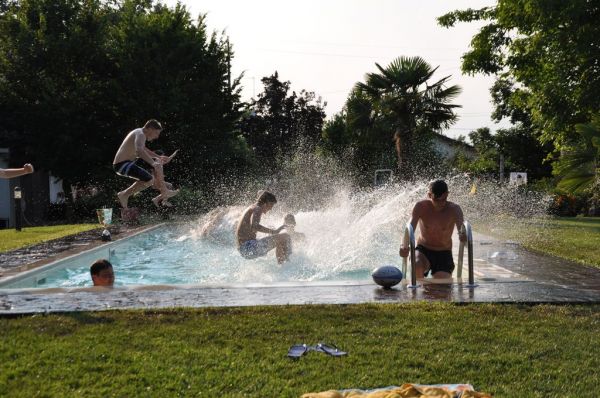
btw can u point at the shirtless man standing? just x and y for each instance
(436, 218)
(124, 164)
(12, 173)
(249, 225)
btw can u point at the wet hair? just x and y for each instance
(289, 219)
(153, 124)
(438, 188)
(265, 197)
(99, 266)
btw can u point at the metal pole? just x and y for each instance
(501, 171)
(469, 232)
(470, 253)
(409, 237)
(17, 196)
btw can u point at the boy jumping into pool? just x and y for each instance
(124, 164)
(249, 225)
(12, 173)
(436, 217)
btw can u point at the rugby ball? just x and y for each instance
(387, 276)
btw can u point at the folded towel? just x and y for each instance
(406, 391)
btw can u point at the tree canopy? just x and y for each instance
(390, 109)
(76, 76)
(546, 56)
(277, 120)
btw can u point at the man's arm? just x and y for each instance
(462, 235)
(11, 173)
(256, 215)
(141, 151)
(414, 220)
(161, 158)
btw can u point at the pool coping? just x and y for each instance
(524, 290)
(156, 297)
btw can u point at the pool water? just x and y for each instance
(344, 242)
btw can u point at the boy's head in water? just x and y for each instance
(102, 273)
(289, 219)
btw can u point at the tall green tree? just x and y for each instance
(76, 76)
(402, 100)
(278, 119)
(545, 55)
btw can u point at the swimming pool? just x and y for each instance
(344, 242)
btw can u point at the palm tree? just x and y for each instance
(579, 165)
(401, 96)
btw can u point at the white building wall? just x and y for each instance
(56, 187)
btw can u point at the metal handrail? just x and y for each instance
(466, 228)
(409, 241)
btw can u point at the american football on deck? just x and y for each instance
(387, 276)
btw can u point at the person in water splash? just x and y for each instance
(290, 226)
(436, 218)
(249, 225)
(12, 173)
(124, 164)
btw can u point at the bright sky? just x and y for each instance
(326, 46)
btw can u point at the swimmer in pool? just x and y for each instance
(249, 225)
(102, 273)
(290, 226)
(436, 218)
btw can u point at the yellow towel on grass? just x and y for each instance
(405, 391)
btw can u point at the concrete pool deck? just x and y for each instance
(504, 273)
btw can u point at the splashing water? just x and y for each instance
(349, 231)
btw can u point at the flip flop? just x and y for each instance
(297, 350)
(330, 349)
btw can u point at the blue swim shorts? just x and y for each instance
(257, 247)
(131, 169)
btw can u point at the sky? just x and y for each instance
(327, 46)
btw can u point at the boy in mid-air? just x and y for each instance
(124, 164)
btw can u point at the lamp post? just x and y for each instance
(17, 196)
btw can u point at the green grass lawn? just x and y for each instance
(508, 350)
(11, 239)
(573, 238)
(505, 350)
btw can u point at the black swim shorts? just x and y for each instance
(131, 169)
(438, 260)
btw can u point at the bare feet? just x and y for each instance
(123, 198)
(158, 201)
(169, 193)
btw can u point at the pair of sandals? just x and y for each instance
(297, 350)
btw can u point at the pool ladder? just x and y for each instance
(409, 240)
